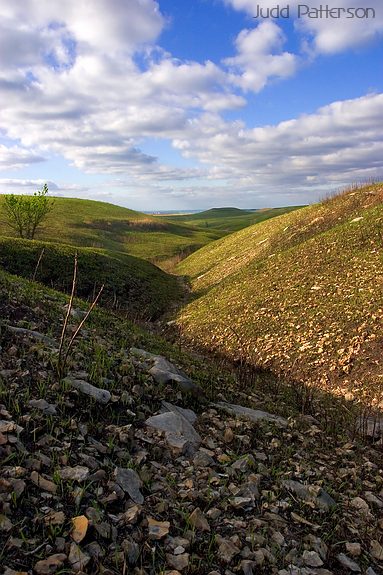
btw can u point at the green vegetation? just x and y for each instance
(133, 286)
(92, 224)
(301, 294)
(229, 219)
(24, 214)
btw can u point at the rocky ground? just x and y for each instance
(153, 474)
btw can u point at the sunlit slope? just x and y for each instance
(101, 225)
(212, 263)
(302, 294)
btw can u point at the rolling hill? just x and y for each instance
(93, 224)
(132, 286)
(228, 219)
(301, 294)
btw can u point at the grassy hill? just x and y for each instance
(131, 285)
(228, 219)
(94, 224)
(301, 294)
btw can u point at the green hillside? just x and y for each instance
(301, 294)
(94, 224)
(131, 285)
(228, 219)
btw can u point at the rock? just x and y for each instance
(360, 505)
(203, 459)
(131, 550)
(130, 482)
(78, 473)
(77, 558)
(44, 484)
(244, 463)
(176, 422)
(254, 415)
(131, 515)
(158, 529)
(348, 563)
(31, 333)
(44, 406)
(376, 550)
(248, 567)
(9, 571)
(49, 565)
(226, 550)
(10, 427)
(228, 436)
(178, 562)
(312, 559)
(5, 523)
(353, 549)
(198, 520)
(54, 518)
(80, 527)
(100, 395)
(310, 493)
(164, 372)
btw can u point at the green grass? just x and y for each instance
(228, 219)
(301, 294)
(132, 285)
(92, 224)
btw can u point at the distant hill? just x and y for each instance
(95, 224)
(301, 294)
(228, 219)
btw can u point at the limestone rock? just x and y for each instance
(130, 482)
(99, 395)
(158, 529)
(77, 558)
(254, 415)
(177, 423)
(49, 565)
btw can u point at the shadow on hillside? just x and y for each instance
(261, 388)
(122, 227)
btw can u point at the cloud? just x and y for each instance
(323, 34)
(16, 157)
(260, 57)
(339, 143)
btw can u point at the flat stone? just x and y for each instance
(43, 483)
(44, 406)
(348, 563)
(227, 550)
(130, 482)
(312, 559)
(77, 558)
(100, 395)
(176, 422)
(158, 529)
(50, 565)
(309, 493)
(54, 518)
(164, 372)
(376, 550)
(254, 415)
(78, 473)
(198, 520)
(5, 523)
(178, 562)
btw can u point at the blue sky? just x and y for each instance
(169, 105)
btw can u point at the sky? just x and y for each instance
(171, 105)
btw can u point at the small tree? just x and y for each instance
(25, 214)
